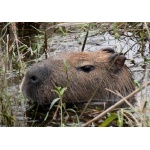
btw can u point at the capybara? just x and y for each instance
(85, 74)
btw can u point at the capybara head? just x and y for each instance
(86, 76)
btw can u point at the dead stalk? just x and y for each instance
(130, 121)
(45, 46)
(147, 29)
(16, 40)
(145, 96)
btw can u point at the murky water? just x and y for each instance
(73, 41)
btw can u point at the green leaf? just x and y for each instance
(63, 90)
(58, 88)
(148, 123)
(61, 29)
(120, 119)
(117, 35)
(136, 83)
(66, 65)
(111, 118)
(52, 104)
(115, 25)
(57, 92)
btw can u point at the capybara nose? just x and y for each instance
(34, 80)
(37, 75)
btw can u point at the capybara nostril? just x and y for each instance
(34, 79)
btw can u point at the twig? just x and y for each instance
(130, 48)
(45, 45)
(117, 93)
(145, 98)
(86, 36)
(148, 34)
(116, 105)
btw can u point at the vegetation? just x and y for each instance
(22, 44)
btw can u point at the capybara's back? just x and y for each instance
(85, 74)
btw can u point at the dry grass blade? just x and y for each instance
(130, 121)
(45, 46)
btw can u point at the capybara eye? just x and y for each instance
(86, 68)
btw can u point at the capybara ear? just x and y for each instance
(116, 62)
(108, 49)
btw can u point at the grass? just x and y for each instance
(16, 56)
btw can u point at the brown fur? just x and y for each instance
(107, 71)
